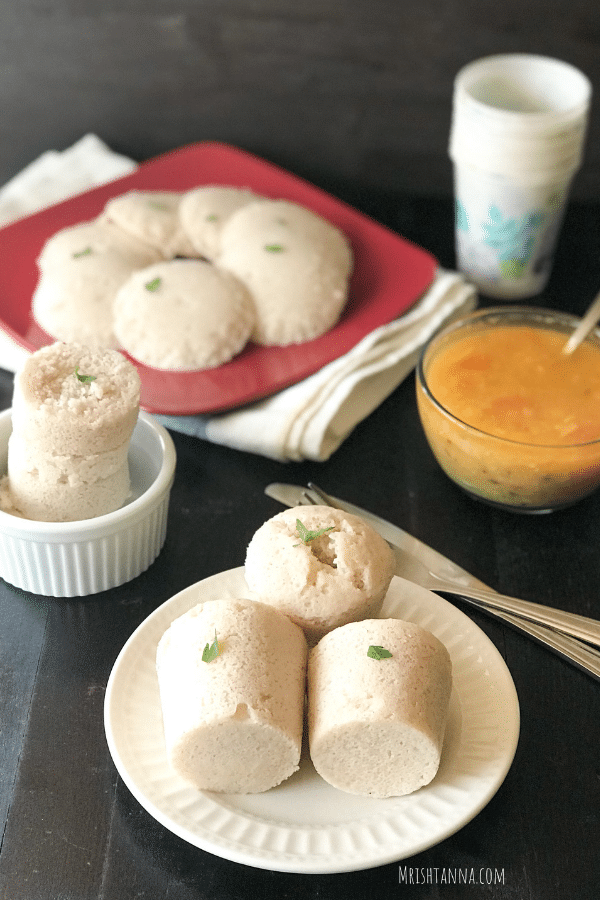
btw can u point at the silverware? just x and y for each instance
(459, 581)
(587, 324)
(580, 627)
(410, 566)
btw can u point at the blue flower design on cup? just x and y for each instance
(461, 218)
(514, 239)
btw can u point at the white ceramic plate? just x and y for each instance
(304, 825)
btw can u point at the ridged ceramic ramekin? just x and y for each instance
(74, 559)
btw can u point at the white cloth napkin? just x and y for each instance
(309, 420)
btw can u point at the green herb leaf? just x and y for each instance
(159, 204)
(85, 252)
(274, 248)
(211, 651)
(305, 535)
(376, 652)
(85, 379)
(212, 217)
(153, 285)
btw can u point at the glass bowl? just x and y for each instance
(503, 461)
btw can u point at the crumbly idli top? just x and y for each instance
(320, 566)
(79, 379)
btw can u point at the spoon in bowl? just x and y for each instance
(589, 321)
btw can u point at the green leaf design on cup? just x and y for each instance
(514, 239)
(512, 268)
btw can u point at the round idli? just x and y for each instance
(152, 217)
(204, 211)
(80, 270)
(183, 314)
(295, 264)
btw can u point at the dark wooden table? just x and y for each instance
(70, 829)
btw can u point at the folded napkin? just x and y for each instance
(309, 420)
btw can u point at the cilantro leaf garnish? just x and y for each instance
(376, 652)
(85, 379)
(211, 651)
(274, 248)
(153, 285)
(305, 535)
(85, 252)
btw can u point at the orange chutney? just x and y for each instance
(515, 382)
(522, 421)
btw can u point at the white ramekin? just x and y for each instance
(74, 559)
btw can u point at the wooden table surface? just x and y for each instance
(71, 830)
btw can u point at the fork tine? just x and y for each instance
(307, 500)
(325, 498)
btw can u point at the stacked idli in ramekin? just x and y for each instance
(73, 414)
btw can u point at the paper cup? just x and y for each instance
(506, 231)
(518, 131)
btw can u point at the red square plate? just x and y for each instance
(390, 274)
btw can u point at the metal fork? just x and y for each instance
(568, 647)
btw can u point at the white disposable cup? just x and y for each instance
(517, 137)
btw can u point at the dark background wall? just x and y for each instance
(358, 90)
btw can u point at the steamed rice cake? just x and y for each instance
(152, 217)
(183, 314)
(233, 723)
(376, 725)
(204, 211)
(295, 264)
(74, 410)
(339, 576)
(80, 270)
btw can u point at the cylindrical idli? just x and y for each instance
(66, 500)
(340, 576)
(376, 726)
(58, 413)
(73, 414)
(48, 487)
(233, 724)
